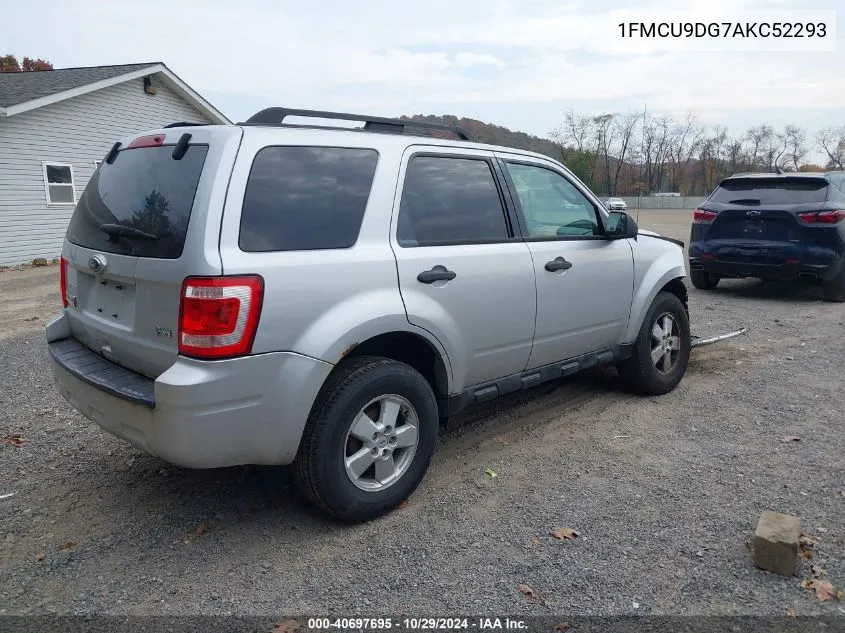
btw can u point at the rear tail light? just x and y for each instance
(63, 280)
(703, 216)
(218, 316)
(822, 217)
(709, 255)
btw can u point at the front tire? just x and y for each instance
(369, 439)
(661, 352)
(703, 280)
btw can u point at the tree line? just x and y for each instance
(640, 153)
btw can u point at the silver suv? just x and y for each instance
(270, 293)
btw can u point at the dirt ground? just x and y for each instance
(665, 492)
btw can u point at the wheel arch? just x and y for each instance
(414, 350)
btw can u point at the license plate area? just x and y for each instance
(754, 227)
(108, 300)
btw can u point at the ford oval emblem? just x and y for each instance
(97, 263)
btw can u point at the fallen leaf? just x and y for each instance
(67, 546)
(40, 556)
(824, 590)
(35, 318)
(565, 534)
(807, 553)
(288, 626)
(402, 504)
(491, 473)
(790, 613)
(818, 571)
(790, 438)
(530, 595)
(562, 627)
(536, 540)
(807, 541)
(202, 529)
(500, 439)
(14, 440)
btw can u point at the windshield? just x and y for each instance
(140, 204)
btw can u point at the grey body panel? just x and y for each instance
(485, 315)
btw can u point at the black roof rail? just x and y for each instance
(276, 117)
(184, 124)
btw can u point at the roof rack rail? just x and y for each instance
(276, 117)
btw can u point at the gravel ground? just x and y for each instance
(665, 492)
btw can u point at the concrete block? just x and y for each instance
(776, 542)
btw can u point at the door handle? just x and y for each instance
(558, 263)
(438, 273)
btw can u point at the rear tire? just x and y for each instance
(661, 352)
(703, 280)
(369, 439)
(834, 290)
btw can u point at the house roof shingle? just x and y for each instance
(21, 87)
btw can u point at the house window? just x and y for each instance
(58, 183)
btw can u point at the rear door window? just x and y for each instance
(139, 205)
(768, 191)
(306, 198)
(449, 200)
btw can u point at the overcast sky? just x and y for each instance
(518, 63)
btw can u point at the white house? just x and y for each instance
(56, 126)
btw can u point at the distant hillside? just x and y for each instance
(494, 134)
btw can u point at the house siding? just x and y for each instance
(77, 131)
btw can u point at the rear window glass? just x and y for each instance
(306, 198)
(767, 191)
(140, 204)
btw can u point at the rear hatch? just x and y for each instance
(757, 218)
(148, 218)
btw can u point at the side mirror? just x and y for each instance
(621, 226)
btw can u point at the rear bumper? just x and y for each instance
(784, 272)
(201, 414)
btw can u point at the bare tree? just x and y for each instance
(685, 142)
(758, 138)
(624, 126)
(831, 140)
(656, 147)
(604, 133)
(794, 141)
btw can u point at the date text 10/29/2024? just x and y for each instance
(416, 624)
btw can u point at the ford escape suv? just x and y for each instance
(270, 293)
(775, 227)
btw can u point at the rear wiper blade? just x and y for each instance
(745, 201)
(127, 231)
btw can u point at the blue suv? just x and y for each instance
(785, 226)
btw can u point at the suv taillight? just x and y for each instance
(63, 280)
(218, 316)
(703, 216)
(822, 217)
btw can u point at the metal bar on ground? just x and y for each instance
(698, 341)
